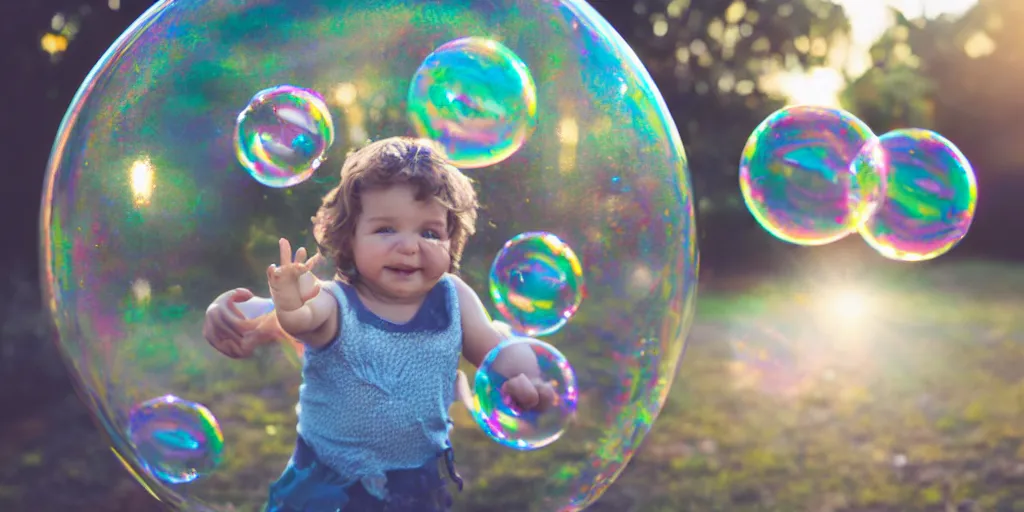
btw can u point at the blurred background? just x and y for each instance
(824, 379)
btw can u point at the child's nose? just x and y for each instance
(407, 245)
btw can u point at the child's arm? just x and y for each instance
(480, 336)
(237, 322)
(266, 327)
(517, 363)
(315, 323)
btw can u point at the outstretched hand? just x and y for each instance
(528, 394)
(287, 280)
(225, 327)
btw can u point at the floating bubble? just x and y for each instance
(930, 198)
(536, 283)
(799, 178)
(506, 421)
(176, 440)
(144, 186)
(476, 98)
(283, 135)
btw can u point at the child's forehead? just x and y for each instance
(399, 200)
(403, 192)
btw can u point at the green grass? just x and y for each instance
(918, 406)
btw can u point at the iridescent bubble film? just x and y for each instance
(798, 176)
(536, 283)
(283, 135)
(476, 98)
(930, 197)
(507, 422)
(148, 216)
(177, 441)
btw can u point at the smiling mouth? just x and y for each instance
(405, 271)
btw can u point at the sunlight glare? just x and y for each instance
(142, 181)
(847, 305)
(819, 86)
(869, 19)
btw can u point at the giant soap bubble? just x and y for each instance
(148, 215)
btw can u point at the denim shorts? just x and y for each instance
(307, 485)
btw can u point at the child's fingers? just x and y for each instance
(300, 255)
(291, 272)
(241, 295)
(548, 398)
(225, 328)
(249, 343)
(285, 251)
(225, 345)
(314, 261)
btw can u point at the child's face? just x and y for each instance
(401, 245)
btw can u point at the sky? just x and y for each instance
(868, 19)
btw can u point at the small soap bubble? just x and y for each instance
(283, 135)
(496, 410)
(177, 441)
(930, 198)
(476, 98)
(536, 283)
(799, 177)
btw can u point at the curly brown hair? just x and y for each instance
(382, 164)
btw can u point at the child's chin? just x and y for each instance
(405, 285)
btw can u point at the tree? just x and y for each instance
(710, 59)
(975, 64)
(960, 76)
(894, 93)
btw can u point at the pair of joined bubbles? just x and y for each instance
(813, 175)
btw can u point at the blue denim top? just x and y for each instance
(376, 398)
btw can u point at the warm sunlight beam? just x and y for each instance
(142, 181)
(819, 86)
(868, 21)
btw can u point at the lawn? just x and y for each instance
(909, 396)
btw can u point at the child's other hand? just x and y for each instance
(291, 281)
(225, 326)
(529, 394)
(264, 331)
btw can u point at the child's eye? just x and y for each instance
(431, 234)
(384, 230)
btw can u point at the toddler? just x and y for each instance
(382, 339)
